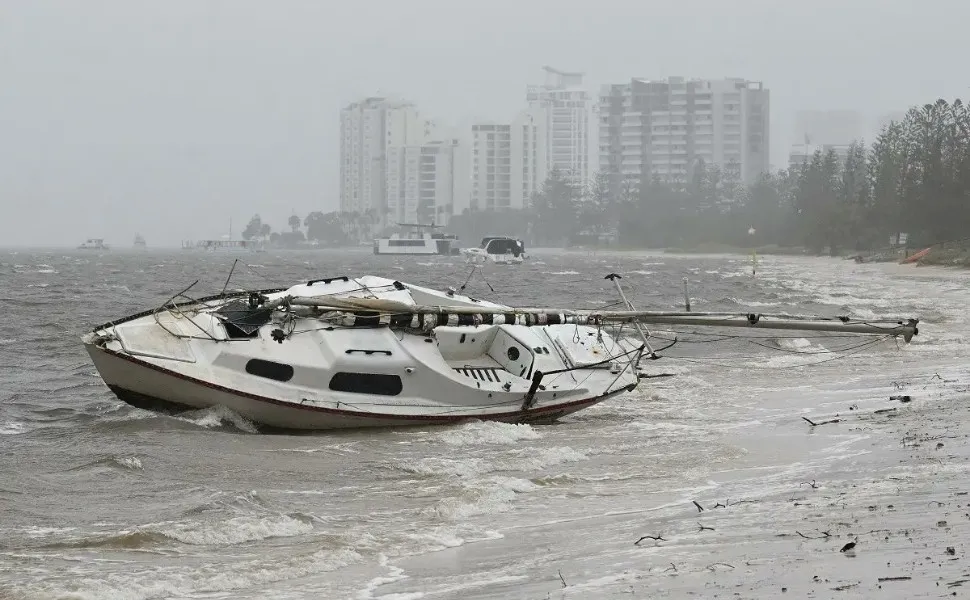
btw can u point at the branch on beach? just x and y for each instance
(672, 566)
(856, 535)
(655, 538)
(814, 424)
(703, 528)
(561, 578)
(713, 565)
(699, 507)
(727, 503)
(825, 535)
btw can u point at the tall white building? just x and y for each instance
(509, 162)
(566, 108)
(368, 129)
(427, 183)
(803, 154)
(828, 127)
(665, 128)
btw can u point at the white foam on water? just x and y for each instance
(753, 303)
(520, 459)
(489, 496)
(12, 428)
(129, 462)
(237, 530)
(394, 574)
(40, 532)
(90, 581)
(560, 272)
(435, 538)
(488, 432)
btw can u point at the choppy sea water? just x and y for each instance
(102, 500)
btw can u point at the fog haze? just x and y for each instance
(168, 118)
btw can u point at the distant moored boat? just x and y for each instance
(94, 244)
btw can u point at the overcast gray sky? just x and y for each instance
(168, 117)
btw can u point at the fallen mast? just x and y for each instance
(369, 312)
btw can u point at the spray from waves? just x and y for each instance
(488, 432)
(218, 417)
(560, 273)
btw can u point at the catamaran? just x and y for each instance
(417, 241)
(94, 244)
(347, 352)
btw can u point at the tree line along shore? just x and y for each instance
(912, 181)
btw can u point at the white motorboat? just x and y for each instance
(369, 351)
(500, 250)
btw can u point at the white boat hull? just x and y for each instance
(148, 386)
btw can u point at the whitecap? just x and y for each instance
(12, 428)
(237, 530)
(219, 416)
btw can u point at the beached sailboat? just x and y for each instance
(369, 351)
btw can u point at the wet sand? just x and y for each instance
(901, 493)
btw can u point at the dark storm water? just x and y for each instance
(101, 500)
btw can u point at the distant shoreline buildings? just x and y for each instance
(400, 167)
(824, 130)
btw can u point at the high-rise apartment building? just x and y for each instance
(664, 129)
(509, 162)
(427, 183)
(368, 129)
(803, 154)
(566, 108)
(828, 127)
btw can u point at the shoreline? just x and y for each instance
(899, 491)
